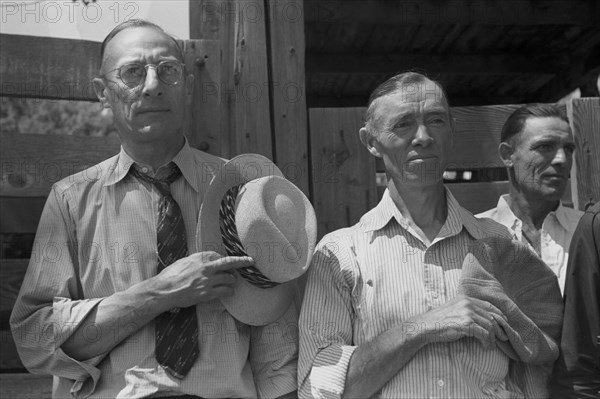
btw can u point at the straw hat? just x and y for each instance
(251, 209)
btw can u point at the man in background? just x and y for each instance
(537, 148)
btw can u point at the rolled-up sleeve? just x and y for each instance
(326, 327)
(50, 307)
(274, 355)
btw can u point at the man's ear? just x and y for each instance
(101, 92)
(505, 152)
(368, 140)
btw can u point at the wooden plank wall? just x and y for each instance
(343, 173)
(261, 88)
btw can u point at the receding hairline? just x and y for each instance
(131, 24)
(400, 86)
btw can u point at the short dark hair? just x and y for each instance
(395, 84)
(516, 121)
(136, 23)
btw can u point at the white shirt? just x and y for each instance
(556, 234)
(370, 277)
(97, 236)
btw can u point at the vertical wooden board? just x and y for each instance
(287, 86)
(215, 20)
(250, 77)
(342, 170)
(584, 116)
(202, 59)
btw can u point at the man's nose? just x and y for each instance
(152, 85)
(561, 157)
(422, 136)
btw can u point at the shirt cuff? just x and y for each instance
(328, 374)
(84, 373)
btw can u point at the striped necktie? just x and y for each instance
(176, 331)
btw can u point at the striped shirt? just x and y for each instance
(97, 236)
(372, 276)
(556, 234)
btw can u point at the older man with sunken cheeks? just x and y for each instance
(411, 131)
(382, 314)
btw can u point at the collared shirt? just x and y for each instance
(371, 277)
(97, 236)
(557, 231)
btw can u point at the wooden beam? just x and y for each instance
(20, 215)
(488, 64)
(564, 83)
(483, 12)
(25, 386)
(285, 30)
(31, 163)
(43, 67)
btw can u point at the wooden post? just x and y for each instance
(209, 20)
(584, 117)
(261, 89)
(202, 59)
(239, 27)
(288, 99)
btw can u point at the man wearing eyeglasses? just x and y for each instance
(123, 310)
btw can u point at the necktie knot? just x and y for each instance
(162, 180)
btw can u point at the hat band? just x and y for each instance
(231, 240)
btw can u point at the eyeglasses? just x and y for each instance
(169, 72)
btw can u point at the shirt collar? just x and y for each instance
(561, 216)
(506, 216)
(457, 218)
(184, 160)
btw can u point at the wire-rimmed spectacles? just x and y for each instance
(133, 74)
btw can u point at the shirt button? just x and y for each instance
(145, 169)
(434, 295)
(440, 383)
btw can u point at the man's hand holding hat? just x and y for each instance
(200, 277)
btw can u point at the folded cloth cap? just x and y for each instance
(509, 275)
(250, 209)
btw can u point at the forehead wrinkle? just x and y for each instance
(169, 48)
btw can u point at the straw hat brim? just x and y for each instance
(249, 304)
